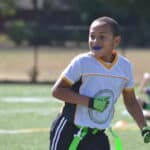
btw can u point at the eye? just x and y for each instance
(92, 36)
(102, 37)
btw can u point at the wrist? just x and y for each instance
(144, 130)
(91, 103)
(146, 134)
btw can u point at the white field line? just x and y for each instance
(40, 111)
(128, 127)
(29, 100)
(23, 131)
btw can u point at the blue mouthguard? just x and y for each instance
(96, 48)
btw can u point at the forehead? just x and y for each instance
(100, 27)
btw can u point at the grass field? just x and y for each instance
(16, 63)
(26, 113)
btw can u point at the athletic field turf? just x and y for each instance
(26, 112)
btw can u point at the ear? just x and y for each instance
(117, 40)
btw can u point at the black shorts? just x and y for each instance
(63, 131)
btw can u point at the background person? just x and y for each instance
(144, 88)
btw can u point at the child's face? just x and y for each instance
(101, 39)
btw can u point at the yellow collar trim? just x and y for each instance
(109, 65)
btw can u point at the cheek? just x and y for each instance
(90, 43)
(113, 45)
(109, 44)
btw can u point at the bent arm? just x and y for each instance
(62, 90)
(134, 108)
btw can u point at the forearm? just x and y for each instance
(70, 96)
(136, 112)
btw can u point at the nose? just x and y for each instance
(97, 42)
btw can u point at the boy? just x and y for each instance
(144, 85)
(144, 88)
(90, 86)
(145, 106)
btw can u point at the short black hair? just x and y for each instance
(112, 22)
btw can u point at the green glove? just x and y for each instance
(99, 103)
(146, 134)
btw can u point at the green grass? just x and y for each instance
(16, 114)
(19, 115)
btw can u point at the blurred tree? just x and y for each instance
(44, 28)
(7, 7)
(88, 9)
(35, 34)
(120, 8)
(47, 5)
(34, 69)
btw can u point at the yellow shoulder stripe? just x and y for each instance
(67, 80)
(128, 89)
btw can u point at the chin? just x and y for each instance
(97, 53)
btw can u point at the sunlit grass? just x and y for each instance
(17, 62)
(39, 115)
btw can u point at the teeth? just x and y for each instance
(97, 48)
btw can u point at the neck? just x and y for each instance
(109, 58)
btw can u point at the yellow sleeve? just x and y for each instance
(128, 89)
(67, 80)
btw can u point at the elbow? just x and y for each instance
(54, 92)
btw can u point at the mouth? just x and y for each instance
(96, 48)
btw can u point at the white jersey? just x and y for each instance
(98, 79)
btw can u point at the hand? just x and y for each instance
(99, 103)
(146, 134)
